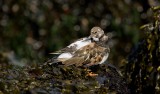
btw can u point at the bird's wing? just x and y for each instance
(74, 46)
(64, 50)
(91, 54)
(78, 61)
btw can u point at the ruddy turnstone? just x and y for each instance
(88, 55)
(89, 49)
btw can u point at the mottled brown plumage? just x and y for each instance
(95, 52)
(89, 55)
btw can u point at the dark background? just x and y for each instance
(30, 29)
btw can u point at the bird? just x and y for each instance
(88, 55)
(95, 34)
(86, 51)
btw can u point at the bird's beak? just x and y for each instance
(88, 38)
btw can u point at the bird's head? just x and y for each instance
(96, 33)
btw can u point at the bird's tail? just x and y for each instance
(51, 61)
